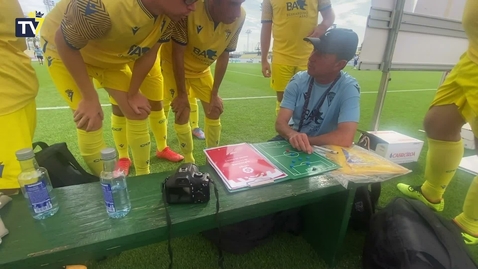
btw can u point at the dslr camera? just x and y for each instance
(187, 186)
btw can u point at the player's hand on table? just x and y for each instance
(300, 141)
(180, 105)
(139, 102)
(89, 115)
(266, 69)
(216, 103)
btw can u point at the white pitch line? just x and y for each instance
(244, 73)
(61, 107)
(244, 98)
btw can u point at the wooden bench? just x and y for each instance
(81, 230)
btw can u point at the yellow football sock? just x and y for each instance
(158, 124)
(140, 144)
(443, 158)
(118, 128)
(166, 108)
(91, 144)
(468, 220)
(185, 139)
(277, 107)
(212, 131)
(194, 113)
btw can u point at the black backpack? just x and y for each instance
(62, 167)
(242, 237)
(406, 234)
(366, 198)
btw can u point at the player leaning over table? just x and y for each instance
(206, 36)
(152, 88)
(19, 87)
(289, 22)
(456, 102)
(321, 106)
(97, 39)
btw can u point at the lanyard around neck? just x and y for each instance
(307, 98)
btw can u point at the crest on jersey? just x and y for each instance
(228, 33)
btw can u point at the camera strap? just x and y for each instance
(220, 258)
(220, 261)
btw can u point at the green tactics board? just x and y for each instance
(294, 163)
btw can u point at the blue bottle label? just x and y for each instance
(38, 196)
(108, 195)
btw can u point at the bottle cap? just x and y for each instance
(25, 154)
(108, 154)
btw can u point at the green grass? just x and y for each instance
(253, 121)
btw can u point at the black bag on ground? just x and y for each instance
(364, 206)
(406, 234)
(240, 238)
(62, 167)
(366, 198)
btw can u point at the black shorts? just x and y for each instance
(40, 57)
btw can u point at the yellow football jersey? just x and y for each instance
(17, 76)
(470, 24)
(291, 22)
(108, 33)
(204, 40)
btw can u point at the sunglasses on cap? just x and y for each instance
(190, 2)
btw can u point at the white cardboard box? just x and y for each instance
(397, 147)
(468, 164)
(468, 137)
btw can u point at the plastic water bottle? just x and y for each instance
(36, 186)
(113, 183)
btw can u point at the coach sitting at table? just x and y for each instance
(321, 106)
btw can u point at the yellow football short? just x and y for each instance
(281, 75)
(152, 86)
(117, 79)
(461, 88)
(17, 133)
(200, 88)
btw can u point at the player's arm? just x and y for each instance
(180, 103)
(220, 71)
(72, 36)
(348, 121)
(179, 43)
(297, 140)
(223, 60)
(266, 32)
(142, 66)
(328, 18)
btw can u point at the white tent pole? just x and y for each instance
(395, 21)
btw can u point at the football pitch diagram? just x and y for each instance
(294, 163)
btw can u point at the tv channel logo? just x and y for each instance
(29, 27)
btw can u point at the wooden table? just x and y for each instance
(81, 230)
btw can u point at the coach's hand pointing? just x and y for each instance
(300, 141)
